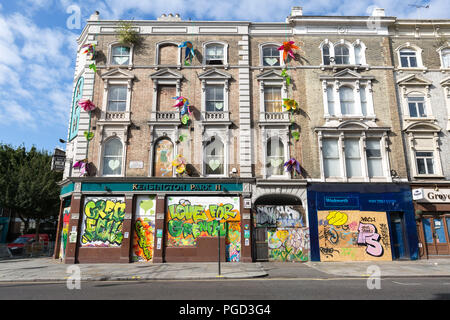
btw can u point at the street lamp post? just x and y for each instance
(218, 243)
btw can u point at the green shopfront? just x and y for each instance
(153, 221)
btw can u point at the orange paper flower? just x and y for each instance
(287, 49)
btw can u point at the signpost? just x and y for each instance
(218, 243)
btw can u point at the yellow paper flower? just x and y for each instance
(290, 104)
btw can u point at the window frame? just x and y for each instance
(158, 53)
(220, 133)
(224, 46)
(341, 136)
(111, 63)
(274, 45)
(409, 47)
(122, 157)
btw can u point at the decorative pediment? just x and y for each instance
(414, 80)
(117, 74)
(353, 125)
(445, 82)
(270, 75)
(347, 74)
(214, 74)
(422, 127)
(166, 74)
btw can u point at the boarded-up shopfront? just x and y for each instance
(281, 233)
(193, 223)
(354, 236)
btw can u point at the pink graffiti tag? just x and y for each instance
(368, 236)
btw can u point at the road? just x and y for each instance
(270, 288)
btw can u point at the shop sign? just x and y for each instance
(341, 202)
(418, 194)
(431, 195)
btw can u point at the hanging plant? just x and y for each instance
(127, 35)
(292, 164)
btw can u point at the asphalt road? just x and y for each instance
(270, 288)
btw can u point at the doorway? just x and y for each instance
(436, 229)
(399, 251)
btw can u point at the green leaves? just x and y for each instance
(286, 77)
(88, 135)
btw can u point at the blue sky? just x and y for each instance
(38, 49)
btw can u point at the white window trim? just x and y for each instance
(408, 45)
(433, 136)
(283, 135)
(157, 54)
(441, 58)
(262, 105)
(362, 136)
(225, 83)
(110, 133)
(423, 91)
(445, 84)
(109, 82)
(225, 54)
(223, 135)
(261, 56)
(160, 134)
(356, 85)
(351, 48)
(118, 44)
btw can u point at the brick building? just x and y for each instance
(343, 130)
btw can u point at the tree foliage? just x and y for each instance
(27, 185)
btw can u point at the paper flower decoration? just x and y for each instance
(287, 49)
(290, 104)
(90, 48)
(88, 135)
(292, 164)
(83, 165)
(189, 51)
(183, 104)
(295, 135)
(86, 104)
(179, 164)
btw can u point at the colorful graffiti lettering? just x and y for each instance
(197, 217)
(143, 240)
(103, 221)
(279, 216)
(290, 244)
(352, 235)
(368, 236)
(64, 233)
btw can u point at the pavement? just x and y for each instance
(47, 269)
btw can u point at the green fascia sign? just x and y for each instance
(155, 187)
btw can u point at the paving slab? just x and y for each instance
(48, 269)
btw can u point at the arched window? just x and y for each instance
(112, 157)
(275, 157)
(341, 54)
(271, 56)
(162, 158)
(215, 54)
(168, 54)
(445, 58)
(214, 157)
(326, 54)
(347, 99)
(120, 55)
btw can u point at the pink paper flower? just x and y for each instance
(86, 104)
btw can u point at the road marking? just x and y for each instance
(407, 284)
